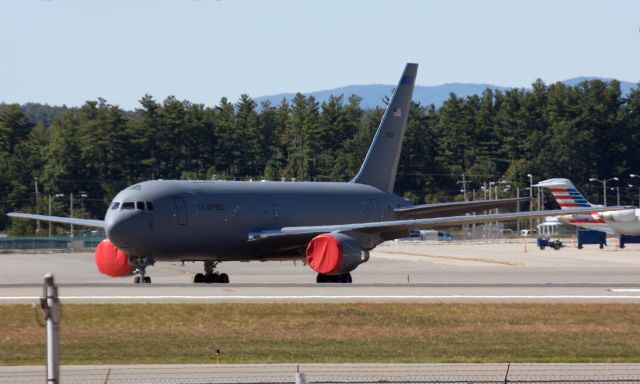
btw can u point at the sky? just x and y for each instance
(70, 51)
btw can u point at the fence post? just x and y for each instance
(300, 379)
(51, 307)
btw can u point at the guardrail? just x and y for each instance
(335, 373)
(58, 242)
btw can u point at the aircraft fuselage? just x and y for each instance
(210, 220)
(624, 222)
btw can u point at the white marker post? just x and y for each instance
(50, 306)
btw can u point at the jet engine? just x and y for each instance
(335, 254)
(112, 261)
(624, 216)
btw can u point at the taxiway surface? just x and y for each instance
(397, 271)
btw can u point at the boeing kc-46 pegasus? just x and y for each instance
(332, 226)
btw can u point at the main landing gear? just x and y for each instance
(211, 275)
(140, 268)
(344, 278)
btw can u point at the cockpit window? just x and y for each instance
(115, 205)
(128, 205)
(149, 206)
(140, 205)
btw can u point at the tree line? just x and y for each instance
(590, 130)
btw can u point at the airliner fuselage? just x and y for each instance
(211, 220)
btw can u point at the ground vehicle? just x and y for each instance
(426, 234)
(544, 242)
(528, 232)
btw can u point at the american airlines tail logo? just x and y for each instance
(569, 198)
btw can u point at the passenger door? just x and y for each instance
(181, 210)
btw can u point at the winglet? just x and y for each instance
(381, 163)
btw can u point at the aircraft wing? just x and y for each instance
(59, 219)
(389, 230)
(455, 208)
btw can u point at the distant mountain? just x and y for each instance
(372, 95)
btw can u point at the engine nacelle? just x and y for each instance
(335, 254)
(112, 261)
(624, 216)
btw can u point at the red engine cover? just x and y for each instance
(324, 254)
(112, 261)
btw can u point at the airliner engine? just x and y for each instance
(624, 216)
(111, 261)
(335, 254)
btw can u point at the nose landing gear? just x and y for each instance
(211, 275)
(140, 268)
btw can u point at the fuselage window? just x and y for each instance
(149, 206)
(140, 205)
(128, 205)
(115, 205)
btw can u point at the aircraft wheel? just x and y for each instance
(136, 280)
(224, 278)
(321, 278)
(346, 278)
(198, 278)
(601, 246)
(147, 279)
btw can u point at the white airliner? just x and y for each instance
(616, 222)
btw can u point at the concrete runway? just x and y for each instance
(397, 271)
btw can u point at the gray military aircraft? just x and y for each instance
(332, 226)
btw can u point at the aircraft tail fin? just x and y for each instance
(565, 193)
(381, 163)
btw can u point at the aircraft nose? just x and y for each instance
(120, 228)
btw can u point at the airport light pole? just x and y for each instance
(604, 186)
(70, 206)
(634, 176)
(35, 180)
(617, 189)
(71, 211)
(633, 186)
(50, 197)
(464, 183)
(530, 176)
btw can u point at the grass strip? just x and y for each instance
(327, 333)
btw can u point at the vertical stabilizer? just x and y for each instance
(380, 166)
(565, 193)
